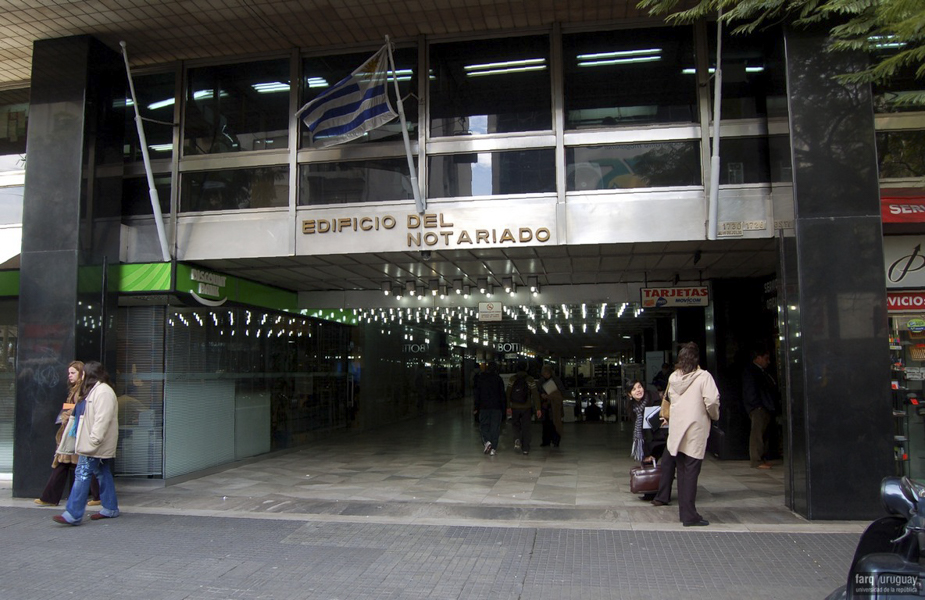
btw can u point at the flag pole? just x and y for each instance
(152, 190)
(713, 205)
(419, 201)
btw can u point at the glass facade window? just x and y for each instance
(319, 73)
(234, 189)
(232, 108)
(629, 77)
(901, 153)
(490, 86)
(156, 96)
(378, 180)
(627, 166)
(752, 72)
(136, 199)
(744, 160)
(492, 173)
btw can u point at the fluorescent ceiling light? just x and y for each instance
(619, 54)
(619, 61)
(691, 70)
(317, 82)
(271, 87)
(161, 147)
(161, 104)
(508, 66)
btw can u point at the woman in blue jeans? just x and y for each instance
(97, 436)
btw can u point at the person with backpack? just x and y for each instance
(523, 400)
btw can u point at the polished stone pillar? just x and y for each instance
(70, 227)
(835, 347)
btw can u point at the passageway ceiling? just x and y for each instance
(577, 274)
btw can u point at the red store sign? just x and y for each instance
(905, 301)
(902, 206)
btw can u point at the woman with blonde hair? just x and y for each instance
(64, 464)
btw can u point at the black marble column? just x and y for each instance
(836, 340)
(70, 227)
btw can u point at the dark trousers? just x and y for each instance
(688, 473)
(549, 430)
(54, 489)
(520, 423)
(666, 479)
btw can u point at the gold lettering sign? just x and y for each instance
(428, 230)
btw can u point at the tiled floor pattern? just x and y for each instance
(432, 470)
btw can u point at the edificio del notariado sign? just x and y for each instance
(428, 230)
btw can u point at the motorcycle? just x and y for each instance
(886, 562)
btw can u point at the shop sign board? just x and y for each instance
(666, 297)
(904, 261)
(902, 206)
(490, 311)
(905, 301)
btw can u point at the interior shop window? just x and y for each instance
(492, 173)
(234, 189)
(627, 166)
(14, 113)
(136, 199)
(753, 72)
(156, 96)
(629, 77)
(377, 180)
(320, 73)
(744, 160)
(901, 153)
(490, 86)
(231, 108)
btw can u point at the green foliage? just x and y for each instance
(891, 31)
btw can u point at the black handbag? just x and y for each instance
(645, 478)
(655, 419)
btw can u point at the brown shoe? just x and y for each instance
(99, 517)
(41, 502)
(660, 503)
(94, 503)
(763, 466)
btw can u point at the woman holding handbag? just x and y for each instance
(63, 464)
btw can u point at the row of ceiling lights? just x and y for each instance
(436, 288)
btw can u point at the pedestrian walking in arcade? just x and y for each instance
(64, 463)
(97, 435)
(490, 404)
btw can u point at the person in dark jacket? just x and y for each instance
(491, 404)
(759, 395)
(523, 400)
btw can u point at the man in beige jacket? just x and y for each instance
(97, 437)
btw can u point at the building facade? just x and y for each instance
(572, 158)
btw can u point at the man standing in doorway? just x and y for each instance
(759, 395)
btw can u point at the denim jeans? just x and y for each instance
(77, 499)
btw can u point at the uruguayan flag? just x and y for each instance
(353, 106)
